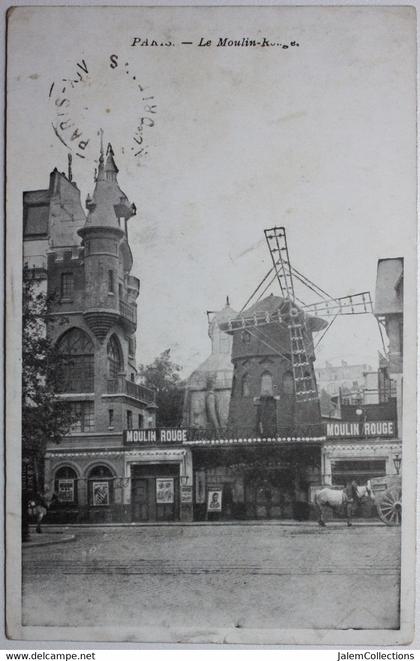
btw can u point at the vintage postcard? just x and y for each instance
(211, 324)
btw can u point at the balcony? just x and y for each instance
(129, 313)
(121, 386)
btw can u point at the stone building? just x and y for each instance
(345, 377)
(85, 262)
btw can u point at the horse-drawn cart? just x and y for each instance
(387, 492)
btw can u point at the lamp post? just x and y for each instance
(397, 462)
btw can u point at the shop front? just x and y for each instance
(260, 480)
(360, 454)
(158, 482)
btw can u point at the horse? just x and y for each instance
(336, 500)
(39, 506)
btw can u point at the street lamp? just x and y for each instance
(397, 462)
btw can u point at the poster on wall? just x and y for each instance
(65, 491)
(214, 500)
(100, 493)
(164, 490)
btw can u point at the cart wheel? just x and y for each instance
(389, 509)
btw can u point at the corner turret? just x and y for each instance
(108, 258)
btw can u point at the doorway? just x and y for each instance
(154, 492)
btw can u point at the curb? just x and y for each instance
(189, 524)
(47, 542)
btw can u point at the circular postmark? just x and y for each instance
(107, 94)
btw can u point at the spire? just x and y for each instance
(111, 169)
(70, 174)
(108, 204)
(100, 174)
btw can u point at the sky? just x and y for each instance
(318, 137)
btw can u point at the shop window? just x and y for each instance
(65, 485)
(83, 415)
(360, 470)
(129, 419)
(245, 390)
(100, 484)
(67, 285)
(75, 371)
(266, 384)
(288, 383)
(115, 361)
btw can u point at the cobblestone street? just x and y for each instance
(274, 576)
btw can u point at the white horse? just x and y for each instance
(340, 500)
(39, 506)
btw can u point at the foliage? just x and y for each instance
(164, 376)
(45, 419)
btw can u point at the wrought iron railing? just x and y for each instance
(121, 385)
(128, 311)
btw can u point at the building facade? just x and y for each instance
(84, 264)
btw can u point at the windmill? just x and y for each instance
(292, 322)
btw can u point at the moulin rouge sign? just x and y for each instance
(378, 428)
(142, 436)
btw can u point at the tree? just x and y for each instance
(164, 376)
(45, 418)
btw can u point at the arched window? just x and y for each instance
(65, 485)
(100, 483)
(245, 386)
(266, 384)
(288, 383)
(75, 371)
(115, 363)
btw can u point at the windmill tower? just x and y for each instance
(274, 388)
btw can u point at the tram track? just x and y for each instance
(162, 568)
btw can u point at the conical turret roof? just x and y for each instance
(108, 203)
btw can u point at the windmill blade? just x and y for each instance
(277, 245)
(355, 304)
(261, 319)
